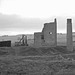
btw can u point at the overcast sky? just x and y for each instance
(28, 16)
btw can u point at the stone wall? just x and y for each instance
(37, 39)
(48, 36)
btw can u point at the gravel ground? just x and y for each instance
(20, 65)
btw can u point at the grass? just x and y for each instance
(20, 65)
(35, 61)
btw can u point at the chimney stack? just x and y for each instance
(55, 31)
(69, 35)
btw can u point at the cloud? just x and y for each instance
(62, 23)
(14, 22)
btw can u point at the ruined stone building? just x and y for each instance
(48, 36)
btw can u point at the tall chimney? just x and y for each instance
(69, 35)
(55, 31)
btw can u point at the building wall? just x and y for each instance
(50, 34)
(37, 39)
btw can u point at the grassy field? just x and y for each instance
(22, 66)
(36, 61)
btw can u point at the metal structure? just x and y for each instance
(22, 41)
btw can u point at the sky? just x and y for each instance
(29, 16)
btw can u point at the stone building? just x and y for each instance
(48, 36)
